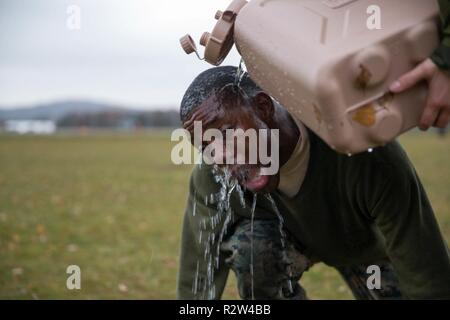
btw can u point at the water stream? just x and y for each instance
(282, 234)
(203, 286)
(255, 197)
(240, 73)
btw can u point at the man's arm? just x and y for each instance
(414, 242)
(193, 267)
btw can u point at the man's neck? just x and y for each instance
(293, 172)
(289, 135)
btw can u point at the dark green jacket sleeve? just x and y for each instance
(197, 230)
(414, 242)
(441, 55)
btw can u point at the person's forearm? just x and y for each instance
(193, 266)
(441, 56)
(414, 242)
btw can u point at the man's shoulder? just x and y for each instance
(202, 179)
(391, 157)
(202, 173)
(368, 173)
(385, 168)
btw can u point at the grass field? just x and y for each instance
(113, 204)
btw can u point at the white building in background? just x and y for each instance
(30, 126)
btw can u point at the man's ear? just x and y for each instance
(264, 106)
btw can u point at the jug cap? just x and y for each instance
(219, 42)
(188, 44)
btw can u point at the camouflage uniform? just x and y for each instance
(277, 269)
(356, 279)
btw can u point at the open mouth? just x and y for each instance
(257, 183)
(251, 178)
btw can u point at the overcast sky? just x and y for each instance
(126, 52)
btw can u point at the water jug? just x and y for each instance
(330, 62)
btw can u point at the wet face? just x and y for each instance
(232, 112)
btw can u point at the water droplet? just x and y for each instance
(194, 206)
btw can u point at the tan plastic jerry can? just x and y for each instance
(331, 62)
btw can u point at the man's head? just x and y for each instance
(214, 100)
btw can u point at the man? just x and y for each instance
(348, 212)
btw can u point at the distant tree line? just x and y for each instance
(121, 119)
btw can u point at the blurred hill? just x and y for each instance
(55, 111)
(72, 114)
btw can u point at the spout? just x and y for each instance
(205, 38)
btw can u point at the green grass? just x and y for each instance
(113, 204)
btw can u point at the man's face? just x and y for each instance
(240, 120)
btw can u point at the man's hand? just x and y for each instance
(437, 110)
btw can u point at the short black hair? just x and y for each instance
(211, 81)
